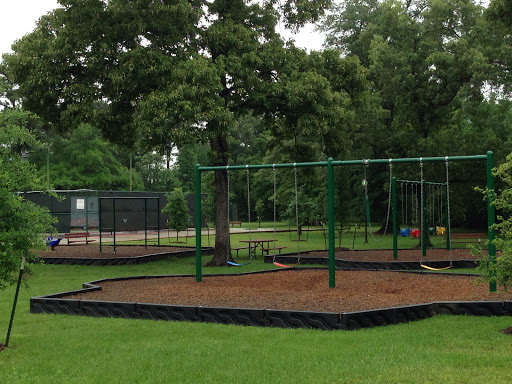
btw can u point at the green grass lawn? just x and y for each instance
(69, 349)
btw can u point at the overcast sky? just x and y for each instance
(19, 17)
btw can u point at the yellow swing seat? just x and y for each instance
(435, 269)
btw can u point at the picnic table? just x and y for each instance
(253, 245)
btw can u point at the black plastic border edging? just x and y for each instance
(58, 304)
(98, 261)
(292, 258)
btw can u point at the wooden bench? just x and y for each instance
(238, 249)
(467, 238)
(233, 223)
(272, 249)
(78, 235)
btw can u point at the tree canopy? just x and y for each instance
(85, 160)
(426, 59)
(177, 71)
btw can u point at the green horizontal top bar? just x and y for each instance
(419, 182)
(127, 198)
(261, 166)
(409, 160)
(345, 162)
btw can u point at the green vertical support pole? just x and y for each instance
(423, 220)
(87, 211)
(367, 219)
(393, 207)
(99, 218)
(145, 223)
(447, 225)
(158, 218)
(491, 215)
(198, 224)
(114, 220)
(330, 219)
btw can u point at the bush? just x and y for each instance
(501, 271)
(23, 225)
(177, 211)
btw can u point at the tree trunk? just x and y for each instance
(428, 242)
(222, 243)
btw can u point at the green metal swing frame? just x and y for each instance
(330, 164)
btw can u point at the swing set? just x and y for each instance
(274, 198)
(434, 214)
(330, 164)
(435, 202)
(252, 251)
(249, 218)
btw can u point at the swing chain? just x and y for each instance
(440, 206)
(402, 201)
(389, 195)
(365, 183)
(406, 203)
(248, 202)
(227, 177)
(227, 221)
(448, 218)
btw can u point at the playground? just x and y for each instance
(365, 283)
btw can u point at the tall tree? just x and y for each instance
(425, 59)
(170, 72)
(499, 45)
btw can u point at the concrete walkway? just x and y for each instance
(164, 233)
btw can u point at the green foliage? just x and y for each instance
(155, 175)
(259, 208)
(208, 202)
(22, 224)
(501, 271)
(177, 211)
(425, 60)
(188, 156)
(86, 160)
(303, 210)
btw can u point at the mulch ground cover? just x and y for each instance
(299, 290)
